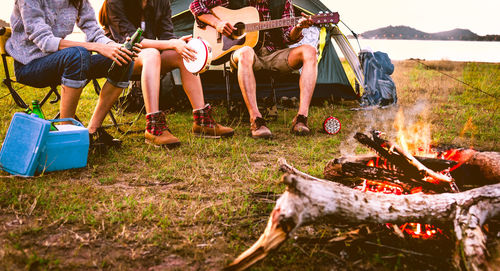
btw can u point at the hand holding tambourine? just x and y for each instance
(202, 53)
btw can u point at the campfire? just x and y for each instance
(407, 183)
(416, 141)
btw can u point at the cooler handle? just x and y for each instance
(75, 122)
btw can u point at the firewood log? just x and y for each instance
(308, 200)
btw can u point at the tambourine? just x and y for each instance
(203, 56)
(332, 125)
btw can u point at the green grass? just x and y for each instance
(199, 206)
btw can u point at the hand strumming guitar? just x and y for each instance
(225, 28)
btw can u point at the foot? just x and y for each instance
(165, 139)
(205, 126)
(259, 129)
(100, 141)
(299, 125)
(157, 133)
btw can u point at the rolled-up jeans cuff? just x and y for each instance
(118, 84)
(73, 83)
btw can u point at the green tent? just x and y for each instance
(332, 81)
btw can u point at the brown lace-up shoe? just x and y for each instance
(205, 126)
(259, 129)
(166, 139)
(299, 125)
(157, 132)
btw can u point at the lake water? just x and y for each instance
(478, 51)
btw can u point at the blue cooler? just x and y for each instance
(66, 148)
(22, 144)
(30, 147)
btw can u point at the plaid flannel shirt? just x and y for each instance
(200, 7)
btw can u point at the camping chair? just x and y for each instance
(5, 33)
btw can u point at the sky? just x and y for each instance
(479, 16)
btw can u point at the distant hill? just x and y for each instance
(408, 33)
(3, 23)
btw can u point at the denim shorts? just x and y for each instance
(72, 67)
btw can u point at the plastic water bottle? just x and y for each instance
(120, 73)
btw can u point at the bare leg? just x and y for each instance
(69, 101)
(148, 65)
(244, 57)
(191, 83)
(109, 94)
(305, 56)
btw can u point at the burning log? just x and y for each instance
(488, 164)
(403, 160)
(472, 168)
(356, 167)
(308, 200)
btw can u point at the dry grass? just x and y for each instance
(198, 206)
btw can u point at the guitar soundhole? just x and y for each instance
(240, 30)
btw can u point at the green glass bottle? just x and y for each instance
(37, 110)
(120, 73)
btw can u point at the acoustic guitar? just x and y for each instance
(247, 22)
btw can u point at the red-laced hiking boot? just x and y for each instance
(299, 125)
(259, 129)
(205, 126)
(157, 132)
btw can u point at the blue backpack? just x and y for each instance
(379, 88)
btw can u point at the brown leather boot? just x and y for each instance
(205, 126)
(299, 125)
(259, 129)
(157, 132)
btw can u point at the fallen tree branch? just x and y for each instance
(307, 201)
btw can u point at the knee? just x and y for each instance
(309, 53)
(150, 55)
(77, 58)
(246, 56)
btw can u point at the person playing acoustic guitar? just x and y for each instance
(273, 55)
(162, 52)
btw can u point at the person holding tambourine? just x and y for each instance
(161, 52)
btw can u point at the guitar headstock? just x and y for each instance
(326, 18)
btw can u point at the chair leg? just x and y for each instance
(226, 74)
(273, 110)
(53, 90)
(115, 124)
(8, 82)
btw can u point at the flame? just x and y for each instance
(415, 138)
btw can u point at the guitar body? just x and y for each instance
(222, 46)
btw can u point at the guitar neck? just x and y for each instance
(265, 25)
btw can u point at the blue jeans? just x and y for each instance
(72, 67)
